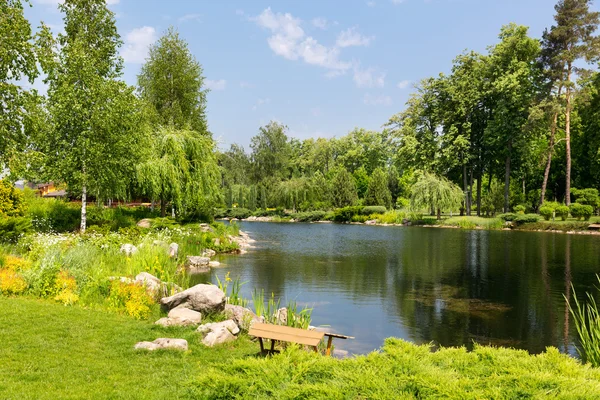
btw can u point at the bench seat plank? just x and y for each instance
(286, 334)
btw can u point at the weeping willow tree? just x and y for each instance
(436, 193)
(182, 171)
(292, 193)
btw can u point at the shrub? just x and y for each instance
(239, 213)
(526, 218)
(580, 211)
(563, 212)
(547, 212)
(519, 209)
(11, 282)
(345, 214)
(164, 223)
(373, 210)
(11, 200)
(66, 288)
(310, 216)
(587, 322)
(130, 298)
(402, 202)
(14, 263)
(508, 217)
(360, 218)
(13, 228)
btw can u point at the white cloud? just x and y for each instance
(215, 85)
(380, 100)
(396, 2)
(190, 17)
(368, 78)
(260, 102)
(371, 3)
(403, 84)
(289, 40)
(136, 44)
(350, 37)
(320, 23)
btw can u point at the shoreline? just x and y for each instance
(522, 228)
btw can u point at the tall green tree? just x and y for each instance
(343, 188)
(17, 62)
(378, 192)
(182, 169)
(573, 38)
(435, 193)
(171, 81)
(95, 137)
(271, 151)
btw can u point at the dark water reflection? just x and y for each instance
(448, 286)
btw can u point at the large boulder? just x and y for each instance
(219, 332)
(243, 317)
(145, 223)
(163, 343)
(197, 265)
(128, 249)
(181, 317)
(152, 283)
(202, 298)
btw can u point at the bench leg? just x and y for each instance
(262, 347)
(272, 346)
(328, 352)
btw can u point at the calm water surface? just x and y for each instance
(447, 286)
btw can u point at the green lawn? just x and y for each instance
(49, 351)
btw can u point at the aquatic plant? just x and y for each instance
(587, 322)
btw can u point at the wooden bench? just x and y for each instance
(594, 227)
(292, 335)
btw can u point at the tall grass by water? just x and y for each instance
(587, 322)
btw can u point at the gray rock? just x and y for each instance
(209, 253)
(145, 223)
(243, 317)
(163, 343)
(128, 249)
(151, 282)
(218, 336)
(217, 241)
(201, 298)
(173, 250)
(180, 317)
(281, 316)
(197, 265)
(230, 325)
(214, 264)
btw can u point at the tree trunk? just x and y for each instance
(466, 189)
(549, 161)
(83, 208)
(470, 191)
(479, 192)
(439, 214)
(568, 138)
(507, 177)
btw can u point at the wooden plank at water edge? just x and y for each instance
(286, 334)
(594, 227)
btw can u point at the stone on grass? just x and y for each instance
(243, 317)
(163, 343)
(281, 316)
(197, 265)
(128, 249)
(202, 298)
(180, 317)
(173, 250)
(145, 223)
(230, 325)
(152, 283)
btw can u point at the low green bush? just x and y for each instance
(581, 211)
(13, 228)
(360, 218)
(373, 210)
(508, 217)
(11, 200)
(547, 212)
(309, 216)
(526, 218)
(562, 211)
(345, 214)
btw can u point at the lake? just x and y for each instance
(447, 286)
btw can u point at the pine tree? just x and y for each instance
(343, 188)
(378, 193)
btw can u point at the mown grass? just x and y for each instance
(49, 351)
(474, 222)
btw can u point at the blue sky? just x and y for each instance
(320, 67)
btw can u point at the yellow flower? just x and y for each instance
(227, 278)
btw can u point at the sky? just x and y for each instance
(321, 68)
